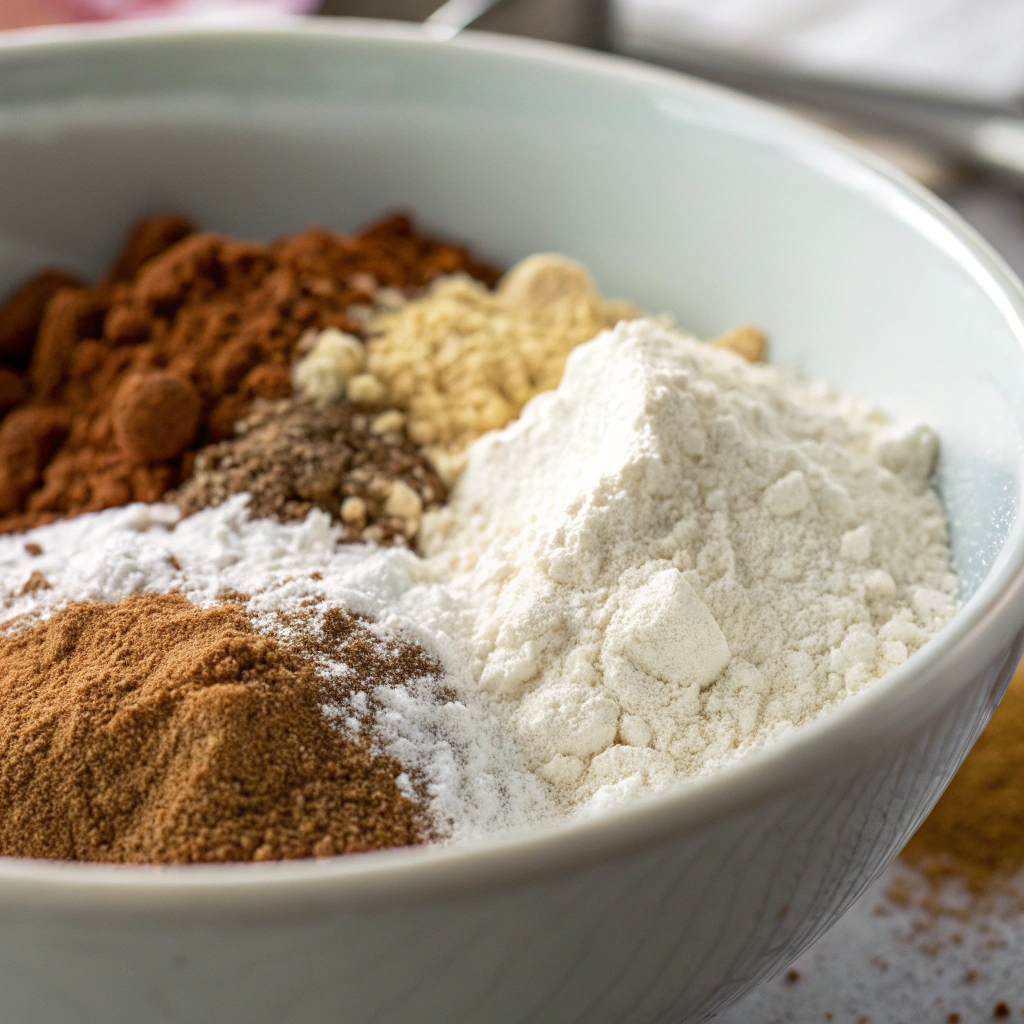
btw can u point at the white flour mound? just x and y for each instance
(678, 554)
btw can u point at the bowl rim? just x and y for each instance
(989, 621)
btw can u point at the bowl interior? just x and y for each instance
(675, 195)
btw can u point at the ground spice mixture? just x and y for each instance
(977, 828)
(153, 731)
(353, 462)
(168, 351)
(334, 636)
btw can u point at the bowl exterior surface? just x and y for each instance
(681, 198)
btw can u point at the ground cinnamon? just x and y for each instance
(152, 731)
(127, 378)
(977, 828)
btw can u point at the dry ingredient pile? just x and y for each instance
(464, 360)
(151, 730)
(337, 544)
(291, 456)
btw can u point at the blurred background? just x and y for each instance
(936, 86)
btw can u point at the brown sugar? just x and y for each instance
(28, 438)
(152, 731)
(13, 390)
(296, 455)
(127, 378)
(977, 827)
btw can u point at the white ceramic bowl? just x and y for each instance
(681, 197)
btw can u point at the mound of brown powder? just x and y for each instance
(295, 455)
(151, 731)
(977, 828)
(128, 377)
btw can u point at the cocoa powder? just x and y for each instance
(21, 313)
(152, 731)
(127, 378)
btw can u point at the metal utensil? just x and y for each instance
(455, 15)
(986, 135)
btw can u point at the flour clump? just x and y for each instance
(677, 554)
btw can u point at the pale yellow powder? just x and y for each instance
(463, 360)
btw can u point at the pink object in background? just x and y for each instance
(27, 13)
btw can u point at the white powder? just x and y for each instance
(678, 554)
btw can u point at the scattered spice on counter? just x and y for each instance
(463, 360)
(660, 570)
(353, 462)
(153, 731)
(976, 830)
(168, 351)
